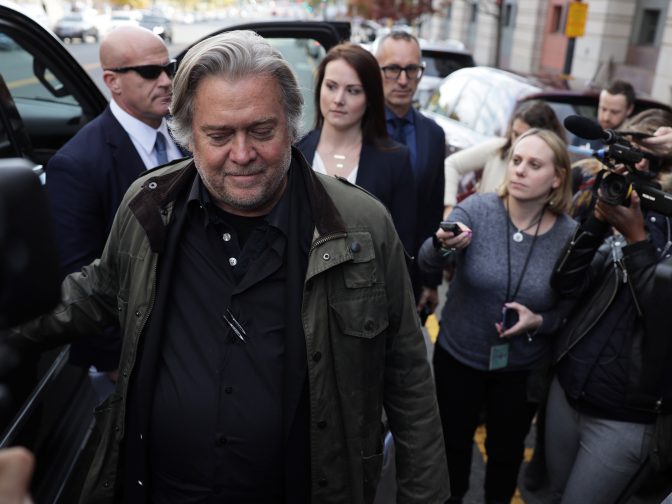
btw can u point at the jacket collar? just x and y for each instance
(164, 185)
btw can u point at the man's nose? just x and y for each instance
(403, 78)
(241, 150)
(164, 79)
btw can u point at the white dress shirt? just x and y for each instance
(143, 136)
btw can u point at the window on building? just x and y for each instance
(508, 15)
(648, 27)
(474, 12)
(556, 19)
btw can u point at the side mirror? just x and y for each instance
(29, 275)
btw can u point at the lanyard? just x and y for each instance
(508, 254)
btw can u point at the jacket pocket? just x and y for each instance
(363, 314)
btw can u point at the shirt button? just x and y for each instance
(322, 424)
(653, 219)
(233, 261)
(368, 325)
(355, 247)
(317, 356)
(226, 237)
(228, 390)
(221, 439)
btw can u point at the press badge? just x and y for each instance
(499, 356)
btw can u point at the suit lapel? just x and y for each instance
(126, 158)
(421, 147)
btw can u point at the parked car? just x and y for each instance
(124, 18)
(77, 25)
(46, 97)
(441, 59)
(474, 104)
(160, 25)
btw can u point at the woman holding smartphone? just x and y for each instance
(500, 309)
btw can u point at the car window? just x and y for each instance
(442, 64)
(304, 56)
(494, 112)
(444, 99)
(467, 107)
(46, 108)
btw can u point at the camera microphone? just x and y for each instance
(588, 129)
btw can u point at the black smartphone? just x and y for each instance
(452, 227)
(509, 317)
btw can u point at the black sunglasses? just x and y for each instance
(149, 72)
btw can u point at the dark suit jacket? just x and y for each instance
(387, 174)
(429, 178)
(86, 180)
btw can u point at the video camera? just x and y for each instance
(613, 187)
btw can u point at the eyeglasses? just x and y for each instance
(393, 72)
(149, 72)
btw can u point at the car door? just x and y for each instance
(303, 44)
(45, 95)
(45, 98)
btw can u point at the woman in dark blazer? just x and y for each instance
(350, 137)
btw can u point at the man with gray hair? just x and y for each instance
(266, 311)
(400, 60)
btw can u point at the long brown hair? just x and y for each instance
(536, 114)
(366, 66)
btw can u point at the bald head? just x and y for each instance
(125, 45)
(144, 96)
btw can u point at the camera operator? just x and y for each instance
(648, 122)
(613, 379)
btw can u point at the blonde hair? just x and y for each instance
(560, 198)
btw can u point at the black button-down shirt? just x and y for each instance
(216, 433)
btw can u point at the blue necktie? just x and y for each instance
(398, 134)
(160, 148)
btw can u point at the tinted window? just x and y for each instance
(47, 111)
(442, 63)
(303, 56)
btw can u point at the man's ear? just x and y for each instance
(111, 80)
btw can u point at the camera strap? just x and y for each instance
(512, 297)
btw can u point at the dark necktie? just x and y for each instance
(398, 134)
(160, 148)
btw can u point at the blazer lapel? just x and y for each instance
(421, 148)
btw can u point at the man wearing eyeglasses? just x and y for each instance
(89, 175)
(400, 61)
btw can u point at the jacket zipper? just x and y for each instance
(324, 239)
(595, 319)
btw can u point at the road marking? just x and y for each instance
(432, 325)
(33, 80)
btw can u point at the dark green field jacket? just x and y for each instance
(358, 315)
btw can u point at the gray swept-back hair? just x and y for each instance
(234, 55)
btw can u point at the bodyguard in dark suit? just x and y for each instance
(401, 64)
(88, 176)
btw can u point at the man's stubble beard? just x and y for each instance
(219, 193)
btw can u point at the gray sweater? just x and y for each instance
(478, 290)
